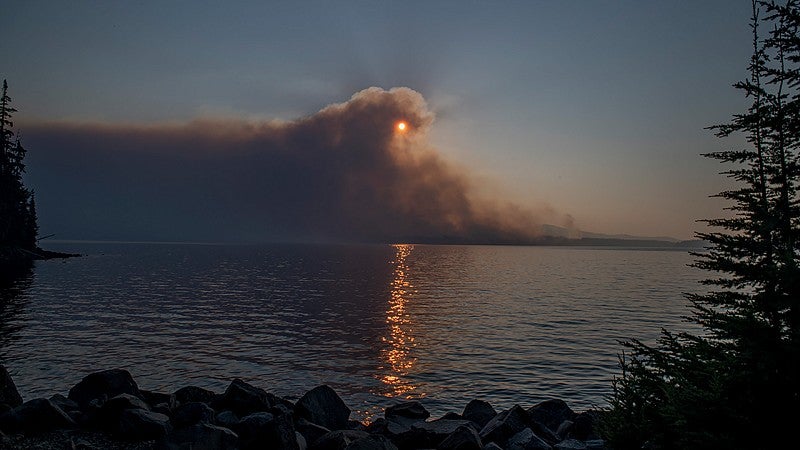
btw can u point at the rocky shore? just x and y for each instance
(108, 410)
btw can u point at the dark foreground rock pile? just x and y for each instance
(108, 410)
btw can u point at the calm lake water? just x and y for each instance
(442, 323)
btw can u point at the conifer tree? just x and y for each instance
(735, 382)
(18, 228)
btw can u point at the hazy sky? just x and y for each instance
(593, 109)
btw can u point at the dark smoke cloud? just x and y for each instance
(344, 173)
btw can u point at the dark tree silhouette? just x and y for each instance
(735, 383)
(18, 228)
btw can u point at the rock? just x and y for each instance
(372, 442)
(311, 431)
(337, 440)
(431, 434)
(355, 425)
(64, 403)
(194, 394)
(565, 429)
(479, 411)
(323, 406)
(505, 425)
(242, 398)
(302, 444)
(527, 440)
(595, 444)
(109, 414)
(453, 416)
(155, 398)
(570, 444)
(104, 385)
(8, 390)
(162, 408)
(142, 425)
(192, 413)
(199, 437)
(122, 402)
(227, 419)
(264, 430)
(407, 412)
(551, 413)
(585, 424)
(35, 416)
(462, 438)
(492, 446)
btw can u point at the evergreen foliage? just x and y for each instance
(736, 382)
(18, 228)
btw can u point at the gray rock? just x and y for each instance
(194, 394)
(407, 412)
(462, 438)
(35, 416)
(479, 411)
(142, 425)
(337, 440)
(264, 430)
(64, 403)
(570, 444)
(372, 442)
(584, 428)
(311, 431)
(302, 444)
(492, 446)
(595, 444)
(154, 398)
(431, 434)
(454, 416)
(8, 390)
(527, 440)
(324, 407)
(565, 429)
(104, 385)
(505, 425)
(199, 437)
(242, 398)
(192, 413)
(551, 413)
(109, 414)
(227, 419)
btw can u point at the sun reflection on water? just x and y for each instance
(397, 353)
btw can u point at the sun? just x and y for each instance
(401, 126)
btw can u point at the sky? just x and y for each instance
(587, 114)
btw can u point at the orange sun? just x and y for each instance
(401, 126)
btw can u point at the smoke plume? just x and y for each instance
(345, 173)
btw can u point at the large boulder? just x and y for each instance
(142, 425)
(407, 412)
(35, 416)
(64, 403)
(570, 444)
(264, 430)
(310, 431)
(527, 440)
(243, 399)
(199, 437)
(431, 434)
(337, 440)
(108, 415)
(462, 438)
(551, 413)
(194, 394)
(323, 406)
(372, 442)
(104, 385)
(192, 413)
(8, 390)
(505, 425)
(479, 411)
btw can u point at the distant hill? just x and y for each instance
(556, 231)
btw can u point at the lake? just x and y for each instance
(376, 322)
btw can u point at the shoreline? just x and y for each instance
(107, 409)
